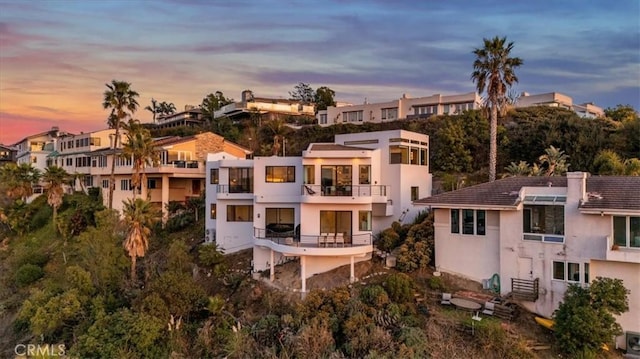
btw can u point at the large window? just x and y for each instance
(309, 174)
(352, 116)
(335, 222)
(240, 180)
(398, 154)
(389, 113)
(279, 221)
(215, 175)
(213, 211)
(279, 174)
(364, 175)
(240, 213)
(472, 221)
(543, 223)
(336, 180)
(626, 231)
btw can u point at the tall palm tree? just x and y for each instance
(18, 180)
(166, 108)
(154, 109)
(120, 98)
(55, 177)
(139, 217)
(493, 70)
(140, 148)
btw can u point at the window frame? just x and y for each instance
(630, 236)
(232, 215)
(214, 176)
(289, 175)
(457, 225)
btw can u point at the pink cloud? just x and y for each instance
(14, 127)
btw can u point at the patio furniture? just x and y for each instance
(489, 307)
(446, 299)
(465, 304)
(339, 239)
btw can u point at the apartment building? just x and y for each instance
(404, 108)
(35, 148)
(322, 208)
(540, 234)
(190, 117)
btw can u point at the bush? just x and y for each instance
(399, 287)
(375, 296)
(28, 274)
(437, 283)
(41, 217)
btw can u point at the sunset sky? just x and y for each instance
(57, 55)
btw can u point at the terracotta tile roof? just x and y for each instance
(335, 147)
(605, 192)
(163, 141)
(503, 192)
(613, 192)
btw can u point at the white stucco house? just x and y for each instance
(540, 234)
(322, 208)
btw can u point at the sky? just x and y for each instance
(57, 55)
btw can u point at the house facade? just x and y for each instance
(541, 234)
(7, 155)
(556, 99)
(267, 108)
(322, 208)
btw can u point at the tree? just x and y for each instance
(324, 98)
(18, 180)
(212, 103)
(166, 108)
(120, 98)
(141, 149)
(521, 168)
(303, 92)
(139, 216)
(556, 161)
(154, 109)
(621, 113)
(585, 318)
(55, 177)
(607, 162)
(278, 128)
(494, 71)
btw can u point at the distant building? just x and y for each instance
(556, 99)
(191, 116)
(404, 108)
(268, 108)
(7, 155)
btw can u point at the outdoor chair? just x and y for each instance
(489, 307)
(446, 299)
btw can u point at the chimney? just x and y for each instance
(577, 186)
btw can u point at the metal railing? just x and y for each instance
(225, 188)
(344, 190)
(325, 240)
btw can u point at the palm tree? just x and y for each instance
(55, 177)
(141, 150)
(556, 161)
(166, 108)
(119, 97)
(494, 71)
(521, 168)
(154, 109)
(139, 217)
(18, 180)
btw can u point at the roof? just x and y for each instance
(334, 147)
(604, 192)
(613, 192)
(171, 140)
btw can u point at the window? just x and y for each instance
(152, 183)
(88, 181)
(279, 174)
(105, 183)
(558, 270)
(102, 161)
(214, 175)
(543, 223)
(125, 185)
(389, 113)
(398, 154)
(323, 119)
(626, 231)
(335, 222)
(240, 213)
(573, 272)
(240, 180)
(455, 221)
(95, 141)
(364, 220)
(364, 174)
(424, 157)
(308, 174)
(212, 211)
(69, 161)
(336, 180)
(352, 116)
(279, 221)
(415, 193)
(473, 221)
(586, 272)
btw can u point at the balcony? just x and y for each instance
(326, 244)
(359, 193)
(618, 253)
(234, 191)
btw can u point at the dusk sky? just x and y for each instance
(57, 55)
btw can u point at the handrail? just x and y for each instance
(314, 240)
(344, 190)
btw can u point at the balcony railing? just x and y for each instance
(225, 188)
(345, 190)
(324, 240)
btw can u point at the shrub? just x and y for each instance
(437, 283)
(399, 287)
(375, 296)
(27, 274)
